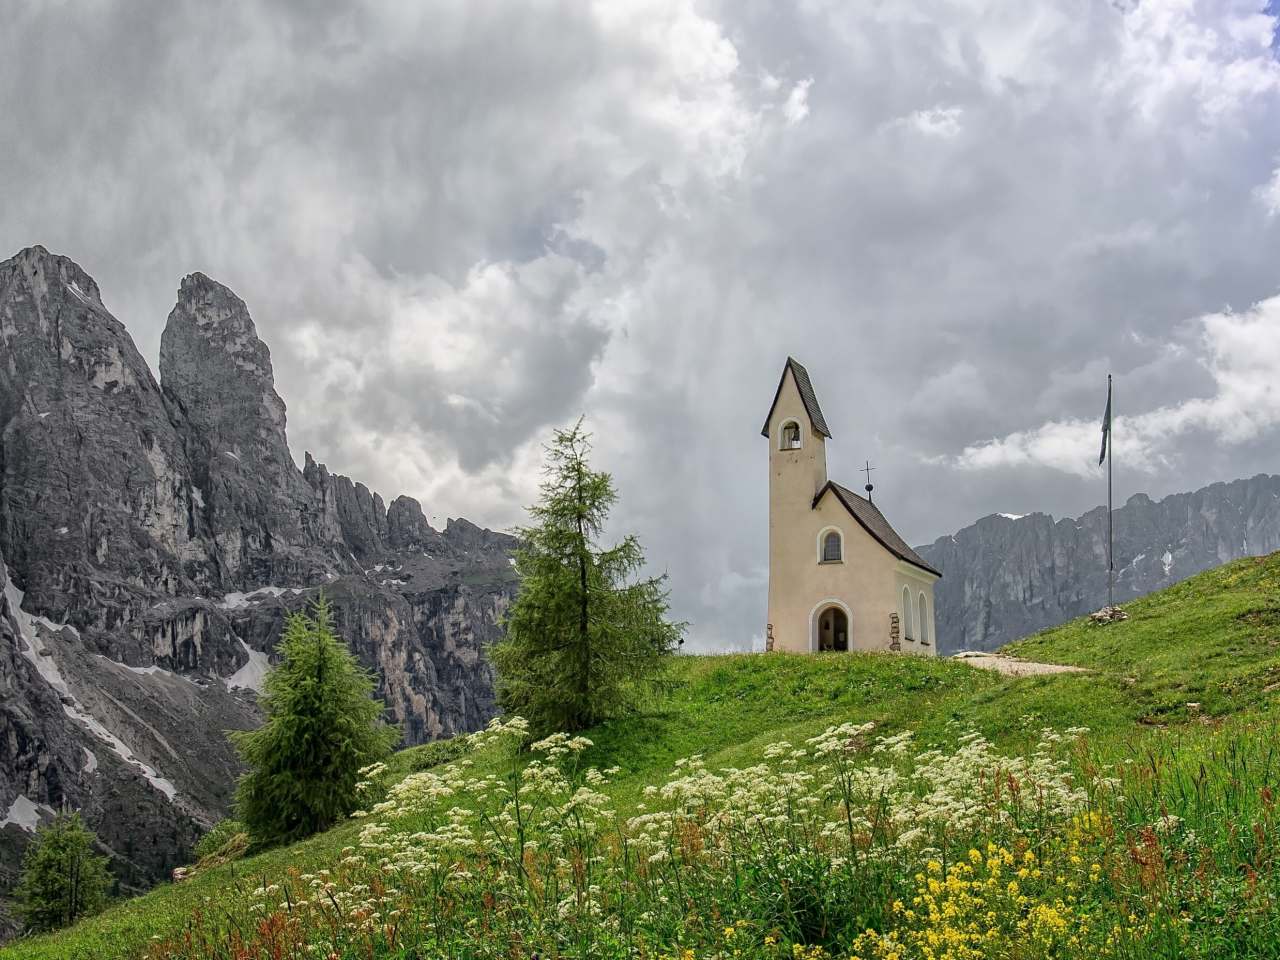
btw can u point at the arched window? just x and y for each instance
(924, 619)
(830, 545)
(908, 629)
(789, 439)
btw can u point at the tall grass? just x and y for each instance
(850, 844)
(1189, 834)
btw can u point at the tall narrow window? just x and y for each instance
(791, 436)
(924, 619)
(908, 628)
(831, 552)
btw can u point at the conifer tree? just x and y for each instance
(585, 638)
(322, 727)
(63, 880)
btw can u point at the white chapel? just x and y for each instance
(840, 578)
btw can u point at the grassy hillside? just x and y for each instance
(1186, 663)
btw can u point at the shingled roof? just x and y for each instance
(807, 395)
(873, 521)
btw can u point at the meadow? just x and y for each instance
(864, 806)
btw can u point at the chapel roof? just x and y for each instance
(873, 521)
(807, 396)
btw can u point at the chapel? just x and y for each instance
(840, 578)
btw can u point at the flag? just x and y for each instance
(1106, 424)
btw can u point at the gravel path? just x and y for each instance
(1012, 666)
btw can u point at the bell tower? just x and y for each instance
(797, 435)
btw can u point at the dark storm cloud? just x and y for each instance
(461, 224)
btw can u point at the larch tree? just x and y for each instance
(587, 637)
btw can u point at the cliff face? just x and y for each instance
(1006, 578)
(259, 516)
(153, 536)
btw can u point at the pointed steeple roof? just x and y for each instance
(807, 395)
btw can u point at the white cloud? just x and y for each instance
(938, 122)
(1241, 351)
(797, 106)
(1207, 58)
(1062, 445)
(1269, 194)
(468, 364)
(687, 88)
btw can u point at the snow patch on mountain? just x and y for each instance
(251, 675)
(238, 601)
(25, 813)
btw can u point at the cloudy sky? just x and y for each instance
(461, 224)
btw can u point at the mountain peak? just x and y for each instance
(211, 325)
(214, 366)
(43, 271)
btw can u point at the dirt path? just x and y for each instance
(1012, 666)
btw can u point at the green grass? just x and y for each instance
(1213, 641)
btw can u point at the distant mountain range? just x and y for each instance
(153, 537)
(1007, 577)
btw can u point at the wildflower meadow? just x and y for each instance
(850, 845)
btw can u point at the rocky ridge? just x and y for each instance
(153, 537)
(1007, 577)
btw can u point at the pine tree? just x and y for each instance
(63, 880)
(322, 727)
(585, 638)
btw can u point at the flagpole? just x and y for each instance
(1111, 556)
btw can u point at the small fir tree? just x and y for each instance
(586, 639)
(63, 880)
(322, 727)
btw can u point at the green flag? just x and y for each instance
(1106, 424)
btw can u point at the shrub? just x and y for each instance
(218, 837)
(440, 752)
(62, 879)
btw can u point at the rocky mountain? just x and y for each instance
(1007, 577)
(154, 536)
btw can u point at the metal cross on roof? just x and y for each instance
(867, 470)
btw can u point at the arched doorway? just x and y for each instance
(833, 630)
